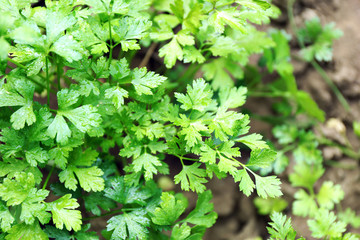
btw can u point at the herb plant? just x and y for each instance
(84, 135)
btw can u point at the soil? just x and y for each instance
(238, 218)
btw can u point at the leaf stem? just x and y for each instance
(58, 73)
(332, 86)
(269, 94)
(47, 81)
(185, 158)
(48, 177)
(111, 45)
(103, 215)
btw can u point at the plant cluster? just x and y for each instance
(86, 128)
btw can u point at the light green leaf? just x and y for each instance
(254, 141)
(64, 214)
(36, 155)
(169, 211)
(6, 218)
(261, 158)
(33, 207)
(117, 95)
(68, 48)
(246, 184)
(329, 195)
(198, 96)
(85, 118)
(89, 177)
(191, 177)
(232, 97)
(304, 205)
(148, 163)
(60, 129)
(171, 52)
(180, 232)
(268, 186)
(325, 225)
(28, 232)
(144, 81)
(15, 191)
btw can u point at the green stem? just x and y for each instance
(316, 66)
(268, 94)
(20, 65)
(48, 177)
(16, 63)
(59, 73)
(103, 215)
(111, 45)
(332, 86)
(345, 150)
(185, 158)
(47, 81)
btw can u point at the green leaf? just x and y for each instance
(144, 81)
(246, 184)
(15, 191)
(85, 118)
(203, 214)
(281, 228)
(192, 177)
(57, 21)
(19, 93)
(270, 205)
(60, 129)
(229, 16)
(191, 130)
(304, 205)
(63, 213)
(325, 224)
(349, 217)
(329, 195)
(261, 158)
(255, 4)
(148, 163)
(198, 96)
(268, 186)
(68, 48)
(36, 155)
(254, 141)
(4, 48)
(29, 232)
(309, 105)
(232, 97)
(89, 177)
(124, 194)
(96, 200)
(132, 225)
(6, 218)
(224, 123)
(173, 51)
(33, 207)
(170, 209)
(180, 232)
(306, 175)
(117, 95)
(319, 40)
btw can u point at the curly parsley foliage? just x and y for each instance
(96, 104)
